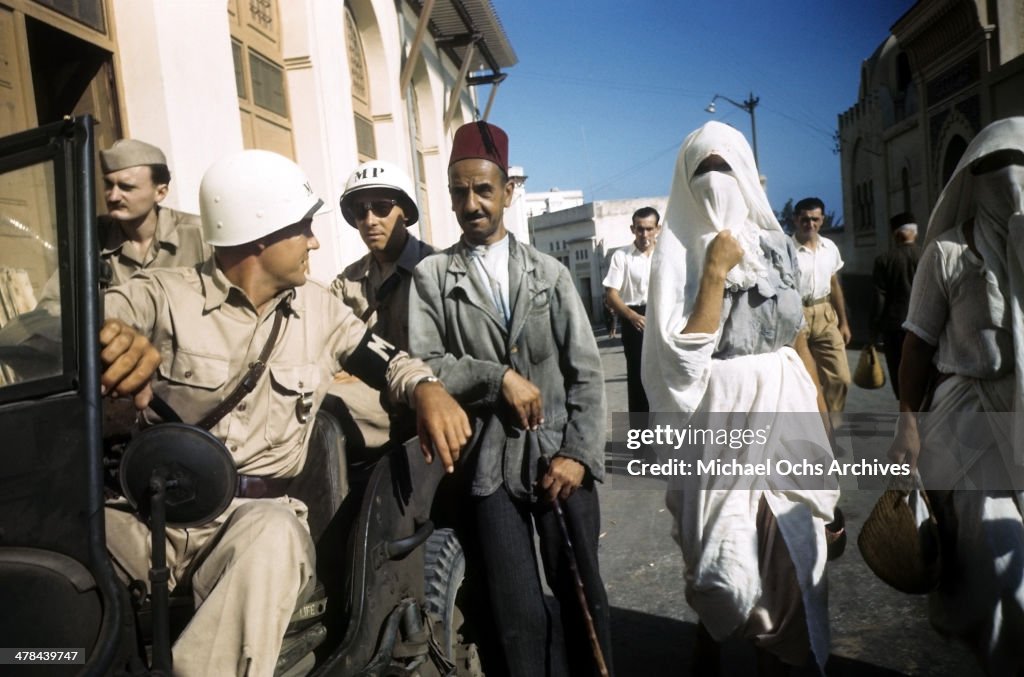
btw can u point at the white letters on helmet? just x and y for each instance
(380, 174)
(252, 193)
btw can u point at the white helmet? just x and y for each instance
(252, 193)
(380, 174)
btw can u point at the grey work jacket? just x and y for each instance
(455, 328)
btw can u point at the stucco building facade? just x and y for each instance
(947, 69)
(328, 83)
(583, 237)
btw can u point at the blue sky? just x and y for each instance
(606, 90)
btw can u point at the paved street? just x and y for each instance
(875, 629)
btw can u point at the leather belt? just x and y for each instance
(256, 486)
(813, 302)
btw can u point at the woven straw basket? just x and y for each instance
(901, 553)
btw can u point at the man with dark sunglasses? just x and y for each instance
(378, 201)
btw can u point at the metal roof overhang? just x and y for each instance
(454, 22)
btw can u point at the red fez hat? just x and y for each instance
(480, 140)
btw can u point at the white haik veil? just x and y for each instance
(692, 219)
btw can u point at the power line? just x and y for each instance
(608, 84)
(608, 182)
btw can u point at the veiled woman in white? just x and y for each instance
(723, 335)
(965, 353)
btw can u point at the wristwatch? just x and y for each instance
(430, 379)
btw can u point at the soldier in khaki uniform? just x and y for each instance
(378, 201)
(137, 233)
(254, 564)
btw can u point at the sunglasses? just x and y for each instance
(355, 209)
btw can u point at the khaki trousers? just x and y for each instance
(249, 570)
(829, 352)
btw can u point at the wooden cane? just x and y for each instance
(602, 667)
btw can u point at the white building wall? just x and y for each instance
(184, 101)
(598, 227)
(316, 63)
(181, 99)
(552, 201)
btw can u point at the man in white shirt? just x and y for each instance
(625, 288)
(824, 305)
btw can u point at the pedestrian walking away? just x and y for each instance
(892, 277)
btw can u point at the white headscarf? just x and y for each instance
(698, 209)
(987, 198)
(993, 199)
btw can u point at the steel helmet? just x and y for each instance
(252, 193)
(380, 174)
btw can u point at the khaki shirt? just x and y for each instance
(178, 242)
(359, 284)
(207, 332)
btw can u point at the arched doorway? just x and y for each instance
(954, 151)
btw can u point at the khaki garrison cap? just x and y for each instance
(130, 153)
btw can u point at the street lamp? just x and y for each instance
(749, 105)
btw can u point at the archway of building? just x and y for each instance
(951, 157)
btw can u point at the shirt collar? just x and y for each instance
(409, 257)
(803, 246)
(407, 260)
(166, 232)
(500, 247)
(166, 227)
(218, 289)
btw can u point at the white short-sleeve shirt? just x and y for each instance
(629, 272)
(957, 305)
(817, 266)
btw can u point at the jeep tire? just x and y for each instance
(445, 569)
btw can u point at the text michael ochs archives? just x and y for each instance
(714, 444)
(717, 467)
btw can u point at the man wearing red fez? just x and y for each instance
(503, 327)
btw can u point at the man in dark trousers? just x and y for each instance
(625, 293)
(893, 278)
(502, 325)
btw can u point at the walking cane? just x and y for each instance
(602, 667)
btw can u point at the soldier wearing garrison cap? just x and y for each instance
(198, 331)
(137, 232)
(379, 201)
(503, 327)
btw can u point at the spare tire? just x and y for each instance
(445, 569)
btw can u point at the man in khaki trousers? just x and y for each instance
(199, 329)
(828, 332)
